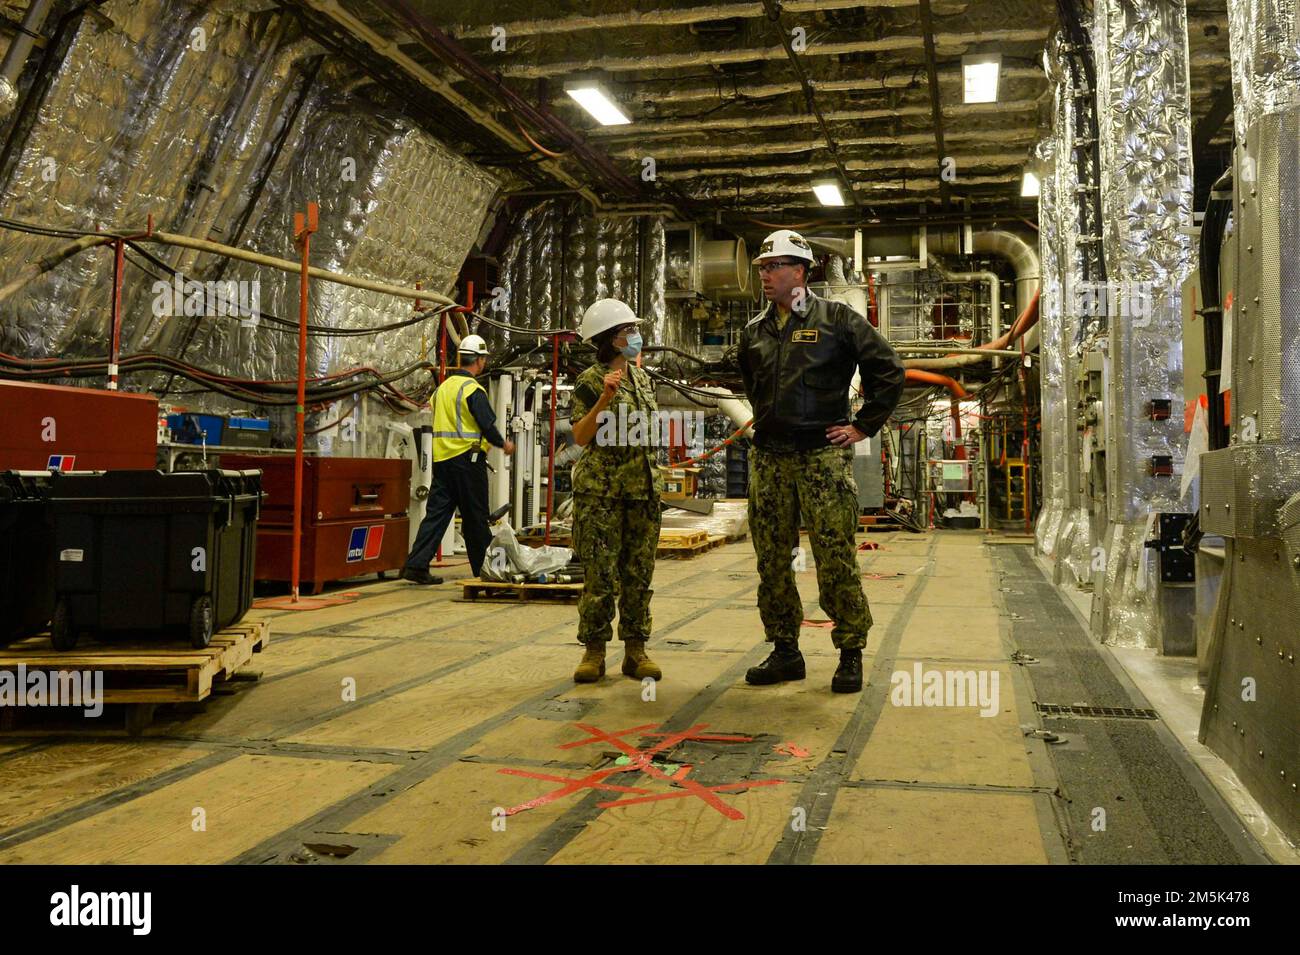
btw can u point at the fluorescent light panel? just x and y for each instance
(828, 193)
(595, 101)
(980, 77)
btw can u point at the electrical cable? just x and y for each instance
(276, 322)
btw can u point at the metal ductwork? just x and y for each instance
(1144, 117)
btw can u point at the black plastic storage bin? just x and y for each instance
(143, 550)
(26, 554)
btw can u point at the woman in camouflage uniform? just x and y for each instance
(616, 488)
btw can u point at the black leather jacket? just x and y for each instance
(798, 379)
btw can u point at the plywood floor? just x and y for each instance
(467, 742)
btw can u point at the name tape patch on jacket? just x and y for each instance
(804, 335)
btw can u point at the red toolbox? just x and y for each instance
(50, 427)
(353, 516)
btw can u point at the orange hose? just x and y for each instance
(933, 378)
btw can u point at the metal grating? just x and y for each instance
(1097, 712)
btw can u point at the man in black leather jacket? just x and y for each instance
(797, 359)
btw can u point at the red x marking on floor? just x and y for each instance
(570, 786)
(641, 760)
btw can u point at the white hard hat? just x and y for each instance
(604, 314)
(473, 345)
(784, 242)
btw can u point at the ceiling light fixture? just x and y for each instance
(980, 73)
(828, 192)
(593, 98)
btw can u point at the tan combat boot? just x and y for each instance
(637, 664)
(592, 667)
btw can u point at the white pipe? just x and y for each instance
(732, 405)
(20, 48)
(995, 295)
(517, 462)
(499, 477)
(538, 495)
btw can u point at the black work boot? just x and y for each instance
(419, 576)
(848, 675)
(785, 662)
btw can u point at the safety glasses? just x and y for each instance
(767, 267)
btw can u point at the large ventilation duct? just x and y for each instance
(1145, 141)
(1070, 529)
(1055, 423)
(1250, 491)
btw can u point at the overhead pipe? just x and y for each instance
(1019, 328)
(46, 263)
(391, 51)
(454, 55)
(16, 56)
(1022, 257)
(995, 291)
(918, 376)
(734, 406)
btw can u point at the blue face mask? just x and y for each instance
(633, 346)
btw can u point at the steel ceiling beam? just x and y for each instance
(936, 112)
(774, 15)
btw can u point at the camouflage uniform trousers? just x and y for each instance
(616, 539)
(819, 483)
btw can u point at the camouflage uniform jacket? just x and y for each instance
(611, 470)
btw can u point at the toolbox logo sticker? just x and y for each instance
(365, 543)
(61, 462)
(374, 541)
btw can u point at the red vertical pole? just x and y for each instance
(119, 263)
(442, 376)
(442, 347)
(550, 461)
(1025, 473)
(303, 227)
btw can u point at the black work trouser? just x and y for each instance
(459, 484)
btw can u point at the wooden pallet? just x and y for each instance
(877, 520)
(475, 589)
(538, 540)
(681, 537)
(144, 673)
(694, 550)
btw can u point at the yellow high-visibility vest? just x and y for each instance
(454, 429)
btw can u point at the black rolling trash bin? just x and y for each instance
(146, 551)
(26, 554)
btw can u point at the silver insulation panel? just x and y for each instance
(562, 259)
(1141, 53)
(131, 117)
(412, 214)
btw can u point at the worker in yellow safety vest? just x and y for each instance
(464, 424)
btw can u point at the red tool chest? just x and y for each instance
(46, 427)
(354, 516)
